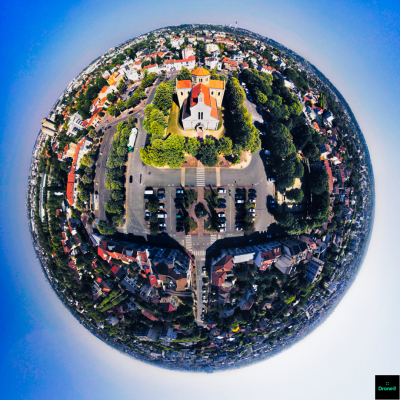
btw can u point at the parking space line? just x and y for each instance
(218, 172)
(183, 177)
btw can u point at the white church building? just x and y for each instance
(199, 100)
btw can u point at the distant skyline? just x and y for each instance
(46, 354)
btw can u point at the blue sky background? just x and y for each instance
(45, 353)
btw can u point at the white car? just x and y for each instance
(221, 214)
(162, 225)
(222, 225)
(222, 229)
(252, 201)
(221, 190)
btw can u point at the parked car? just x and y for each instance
(161, 191)
(148, 214)
(252, 191)
(161, 206)
(267, 152)
(178, 200)
(221, 205)
(204, 269)
(221, 190)
(180, 191)
(130, 179)
(221, 219)
(239, 227)
(163, 229)
(162, 215)
(221, 214)
(162, 225)
(161, 220)
(239, 196)
(204, 287)
(271, 180)
(239, 201)
(252, 201)
(272, 204)
(160, 196)
(222, 225)
(222, 229)
(179, 229)
(223, 201)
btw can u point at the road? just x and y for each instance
(101, 164)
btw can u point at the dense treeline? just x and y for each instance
(115, 174)
(238, 120)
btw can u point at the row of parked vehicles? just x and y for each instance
(179, 199)
(221, 221)
(161, 213)
(240, 200)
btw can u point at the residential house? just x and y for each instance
(314, 269)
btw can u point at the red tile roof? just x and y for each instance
(200, 72)
(184, 84)
(152, 280)
(216, 84)
(197, 89)
(114, 269)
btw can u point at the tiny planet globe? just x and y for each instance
(200, 197)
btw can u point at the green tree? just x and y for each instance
(105, 228)
(185, 74)
(112, 110)
(121, 105)
(235, 93)
(163, 97)
(192, 146)
(111, 97)
(261, 98)
(208, 153)
(318, 181)
(225, 146)
(295, 194)
(121, 86)
(200, 210)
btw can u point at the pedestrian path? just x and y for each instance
(200, 254)
(201, 176)
(188, 241)
(213, 238)
(183, 177)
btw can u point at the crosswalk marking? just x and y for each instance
(201, 176)
(188, 241)
(199, 252)
(213, 238)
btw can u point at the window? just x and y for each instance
(200, 115)
(212, 93)
(181, 93)
(219, 93)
